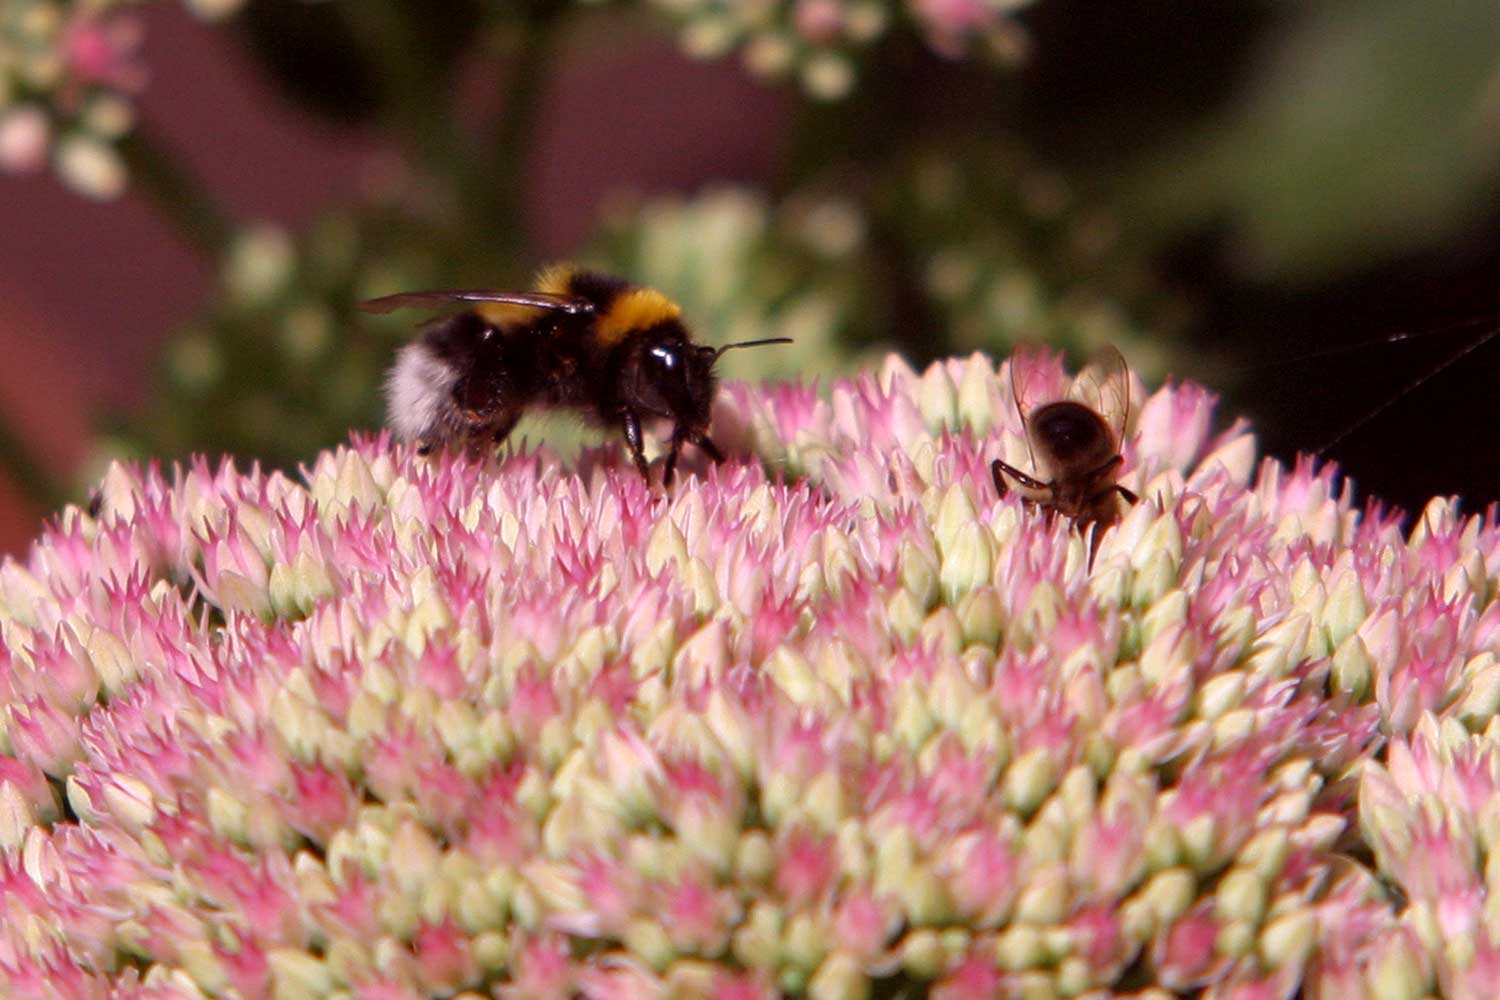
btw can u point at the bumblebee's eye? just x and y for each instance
(665, 357)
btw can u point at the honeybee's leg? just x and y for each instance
(1107, 470)
(631, 422)
(1116, 488)
(1095, 536)
(997, 467)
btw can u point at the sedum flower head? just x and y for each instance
(828, 720)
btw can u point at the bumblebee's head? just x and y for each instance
(667, 375)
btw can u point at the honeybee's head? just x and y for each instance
(665, 374)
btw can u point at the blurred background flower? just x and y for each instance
(1219, 189)
(69, 74)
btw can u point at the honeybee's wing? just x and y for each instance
(1104, 387)
(1035, 380)
(442, 297)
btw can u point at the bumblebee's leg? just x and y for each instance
(997, 467)
(500, 429)
(710, 449)
(479, 430)
(485, 434)
(669, 470)
(703, 441)
(631, 422)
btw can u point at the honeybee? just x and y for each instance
(615, 352)
(1072, 438)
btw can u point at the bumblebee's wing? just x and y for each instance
(1035, 380)
(442, 297)
(1104, 387)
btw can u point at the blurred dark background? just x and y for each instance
(1259, 196)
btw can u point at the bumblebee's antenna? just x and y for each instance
(752, 343)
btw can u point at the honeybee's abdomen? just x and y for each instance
(1071, 434)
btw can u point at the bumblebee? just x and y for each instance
(612, 351)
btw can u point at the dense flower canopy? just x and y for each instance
(828, 718)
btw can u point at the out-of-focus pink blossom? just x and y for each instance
(103, 50)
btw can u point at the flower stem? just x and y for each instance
(415, 89)
(514, 130)
(177, 195)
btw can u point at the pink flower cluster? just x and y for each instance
(828, 719)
